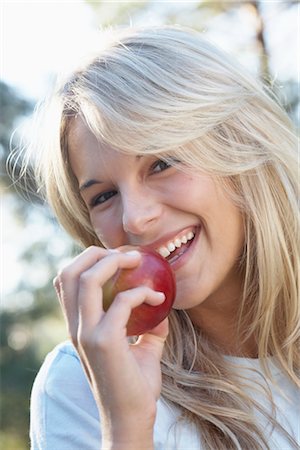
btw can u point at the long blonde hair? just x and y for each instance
(167, 91)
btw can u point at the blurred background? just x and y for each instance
(39, 40)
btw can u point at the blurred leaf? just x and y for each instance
(31, 322)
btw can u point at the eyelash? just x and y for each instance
(157, 163)
(109, 194)
(106, 196)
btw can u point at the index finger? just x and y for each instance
(90, 297)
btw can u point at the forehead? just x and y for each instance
(79, 135)
(83, 146)
(89, 157)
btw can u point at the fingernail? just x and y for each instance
(161, 295)
(133, 253)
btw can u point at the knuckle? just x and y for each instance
(56, 282)
(85, 278)
(122, 298)
(93, 249)
(87, 341)
(90, 249)
(103, 343)
(73, 337)
(83, 340)
(145, 290)
(64, 275)
(125, 301)
(74, 341)
(85, 337)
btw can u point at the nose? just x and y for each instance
(141, 210)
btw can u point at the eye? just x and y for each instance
(160, 166)
(102, 198)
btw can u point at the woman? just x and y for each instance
(161, 139)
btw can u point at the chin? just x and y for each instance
(181, 302)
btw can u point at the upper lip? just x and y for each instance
(170, 237)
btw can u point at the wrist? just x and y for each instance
(127, 446)
(128, 443)
(118, 438)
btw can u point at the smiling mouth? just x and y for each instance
(175, 248)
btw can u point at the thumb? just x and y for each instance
(154, 339)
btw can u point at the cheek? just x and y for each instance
(231, 238)
(107, 229)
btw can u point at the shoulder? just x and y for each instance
(60, 373)
(63, 361)
(276, 394)
(287, 399)
(64, 414)
(61, 402)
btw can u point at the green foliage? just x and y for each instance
(30, 321)
(10, 441)
(24, 342)
(12, 107)
(18, 368)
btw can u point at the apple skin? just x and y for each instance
(153, 271)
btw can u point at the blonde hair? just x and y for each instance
(167, 91)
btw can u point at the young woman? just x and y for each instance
(162, 139)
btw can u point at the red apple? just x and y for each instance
(153, 271)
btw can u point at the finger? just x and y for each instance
(105, 268)
(66, 285)
(90, 300)
(69, 313)
(115, 321)
(155, 339)
(81, 263)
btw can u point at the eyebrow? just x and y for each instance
(91, 182)
(88, 184)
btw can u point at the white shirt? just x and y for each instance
(64, 415)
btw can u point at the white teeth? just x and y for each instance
(171, 246)
(177, 243)
(163, 251)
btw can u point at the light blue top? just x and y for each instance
(64, 415)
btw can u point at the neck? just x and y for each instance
(219, 320)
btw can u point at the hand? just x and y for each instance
(125, 378)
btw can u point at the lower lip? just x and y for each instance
(182, 259)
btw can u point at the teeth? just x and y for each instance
(171, 247)
(177, 243)
(165, 251)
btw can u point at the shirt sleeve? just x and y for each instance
(63, 413)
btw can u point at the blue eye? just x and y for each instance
(102, 198)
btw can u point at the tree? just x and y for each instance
(200, 15)
(12, 108)
(28, 311)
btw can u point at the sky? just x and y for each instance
(42, 38)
